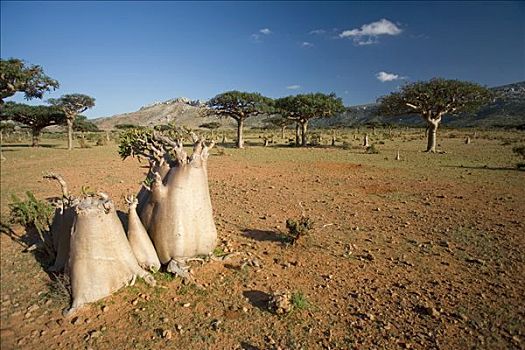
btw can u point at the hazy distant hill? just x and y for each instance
(507, 111)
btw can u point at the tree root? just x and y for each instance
(179, 268)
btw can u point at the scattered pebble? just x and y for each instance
(166, 334)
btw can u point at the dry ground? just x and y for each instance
(423, 253)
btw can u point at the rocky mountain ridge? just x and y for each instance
(508, 110)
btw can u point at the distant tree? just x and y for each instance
(35, 117)
(434, 99)
(15, 77)
(133, 126)
(280, 122)
(303, 108)
(239, 106)
(211, 126)
(72, 105)
(82, 124)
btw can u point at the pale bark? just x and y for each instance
(297, 133)
(240, 126)
(431, 138)
(304, 127)
(365, 141)
(101, 260)
(70, 133)
(35, 137)
(178, 215)
(139, 240)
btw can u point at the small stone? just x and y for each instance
(27, 315)
(134, 302)
(166, 334)
(33, 308)
(178, 327)
(186, 305)
(165, 320)
(105, 308)
(76, 321)
(94, 334)
(244, 309)
(48, 302)
(215, 324)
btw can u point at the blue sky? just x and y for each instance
(128, 54)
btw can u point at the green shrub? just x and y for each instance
(299, 301)
(298, 229)
(33, 214)
(101, 141)
(372, 149)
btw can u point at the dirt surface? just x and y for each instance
(412, 254)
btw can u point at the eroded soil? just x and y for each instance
(402, 255)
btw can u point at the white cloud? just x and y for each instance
(257, 37)
(384, 77)
(306, 44)
(368, 33)
(317, 32)
(293, 87)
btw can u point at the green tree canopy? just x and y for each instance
(210, 125)
(239, 106)
(35, 117)
(16, 76)
(72, 105)
(82, 124)
(434, 99)
(303, 108)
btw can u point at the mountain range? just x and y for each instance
(508, 110)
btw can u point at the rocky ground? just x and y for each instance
(416, 254)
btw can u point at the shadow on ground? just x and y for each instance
(485, 167)
(264, 235)
(258, 298)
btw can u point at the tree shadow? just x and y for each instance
(258, 298)
(31, 242)
(265, 235)
(123, 217)
(485, 167)
(24, 145)
(248, 346)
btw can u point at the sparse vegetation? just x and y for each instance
(372, 149)
(520, 151)
(36, 214)
(299, 301)
(298, 228)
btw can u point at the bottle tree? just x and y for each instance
(34, 117)
(239, 106)
(16, 76)
(303, 108)
(434, 99)
(72, 105)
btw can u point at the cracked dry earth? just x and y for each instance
(402, 255)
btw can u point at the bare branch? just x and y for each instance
(66, 199)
